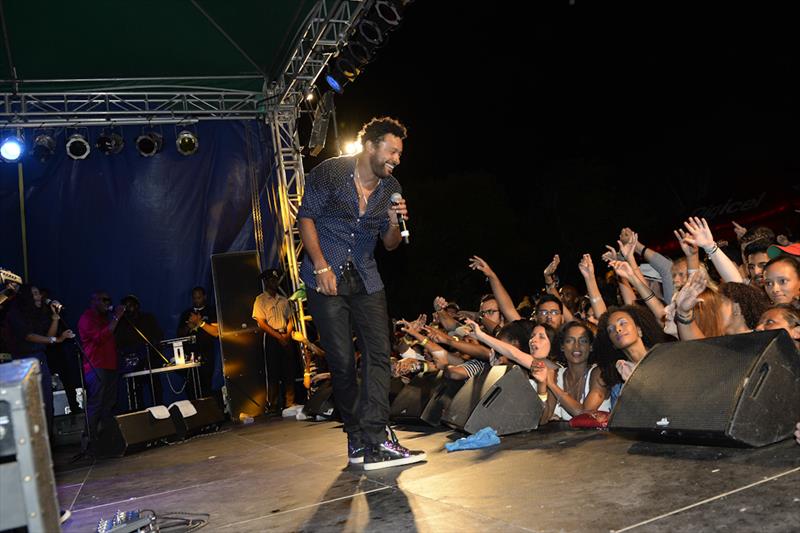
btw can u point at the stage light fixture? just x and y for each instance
(319, 128)
(78, 147)
(149, 144)
(110, 143)
(387, 16)
(334, 79)
(187, 142)
(369, 32)
(44, 147)
(359, 52)
(12, 148)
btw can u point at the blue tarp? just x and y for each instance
(130, 224)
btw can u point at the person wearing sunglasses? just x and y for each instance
(96, 328)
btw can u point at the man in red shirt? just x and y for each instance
(96, 327)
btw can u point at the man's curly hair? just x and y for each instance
(378, 127)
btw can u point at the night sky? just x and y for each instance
(545, 128)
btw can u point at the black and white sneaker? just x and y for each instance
(355, 449)
(391, 453)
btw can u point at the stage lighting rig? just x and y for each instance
(78, 147)
(149, 144)
(110, 143)
(187, 143)
(12, 148)
(44, 147)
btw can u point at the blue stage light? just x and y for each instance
(333, 82)
(12, 149)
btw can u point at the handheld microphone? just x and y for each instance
(395, 199)
(55, 303)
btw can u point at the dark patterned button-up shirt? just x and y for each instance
(331, 201)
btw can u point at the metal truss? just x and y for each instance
(285, 198)
(324, 34)
(131, 106)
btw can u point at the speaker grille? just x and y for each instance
(691, 385)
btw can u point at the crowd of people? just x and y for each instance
(580, 346)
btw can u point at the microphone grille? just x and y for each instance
(396, 197)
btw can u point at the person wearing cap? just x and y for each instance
(347, 205)
(273, 313)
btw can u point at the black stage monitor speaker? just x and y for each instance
(27, 484)
(735, 390)
(135, 431)
(423, 399)
(193, 417)
(500, 397)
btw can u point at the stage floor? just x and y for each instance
(285, 475)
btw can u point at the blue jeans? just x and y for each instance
(364, 409)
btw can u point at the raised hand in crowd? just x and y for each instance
(699, 234)
(586, 268)
(476, 263)
(627, 242)
(739, 230)
(439, 303)
(688, 248)
(612, 254)
(685, 302)
(551, 268)
(504, 301)
(623, 270)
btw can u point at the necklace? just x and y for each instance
(361, 189)
(576, 387)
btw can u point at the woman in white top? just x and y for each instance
(577, 388)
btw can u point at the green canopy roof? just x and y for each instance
(225, 44)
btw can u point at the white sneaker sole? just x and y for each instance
(356, 460)
(396, 462)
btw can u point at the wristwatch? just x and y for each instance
(53, 340)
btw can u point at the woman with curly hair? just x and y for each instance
(624, 336)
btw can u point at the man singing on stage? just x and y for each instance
(346, 206)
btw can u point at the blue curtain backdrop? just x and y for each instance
(130, 224)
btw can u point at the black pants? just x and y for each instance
(281, 372)
(364, 410)
(101, 385)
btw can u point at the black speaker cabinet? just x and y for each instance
(236, 286)
(423, 399)
(734, 390)
(27, 484)
(133, 432)
(500, 397)
(193, 417)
